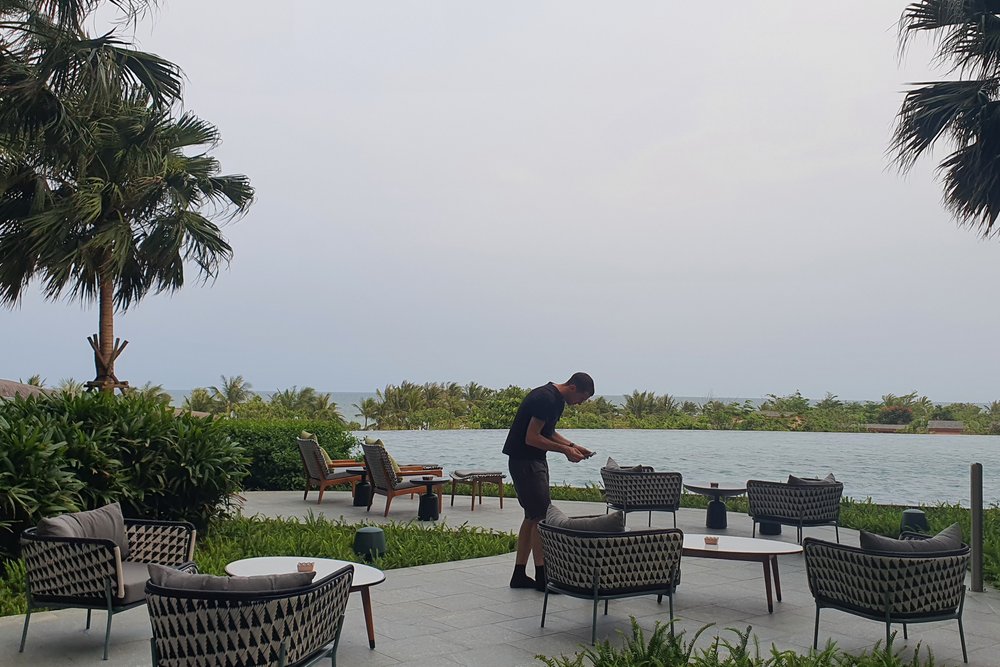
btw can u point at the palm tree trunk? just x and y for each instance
(106, 347)
(107, 324)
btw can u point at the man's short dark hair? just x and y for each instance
(583, 383)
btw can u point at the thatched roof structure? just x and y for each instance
(10, 389)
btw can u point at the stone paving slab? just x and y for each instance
(463, 613)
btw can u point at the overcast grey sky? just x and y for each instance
(681, 197)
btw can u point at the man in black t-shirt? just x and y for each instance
(531, 435)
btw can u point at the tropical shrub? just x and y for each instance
(664, 649)
(67, 452)
(270, 445)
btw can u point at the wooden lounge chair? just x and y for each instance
(318, 473)
(386, 482)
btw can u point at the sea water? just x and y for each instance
(886, 467)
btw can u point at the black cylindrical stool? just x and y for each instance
(369, 542)
(915, 520)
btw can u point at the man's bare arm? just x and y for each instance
(534, 438)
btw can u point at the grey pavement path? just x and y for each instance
(463, 613)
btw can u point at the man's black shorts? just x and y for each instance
(531, 482)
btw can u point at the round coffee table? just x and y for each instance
(715, 517)
(428, 509)
(754, 549)
(365, 576)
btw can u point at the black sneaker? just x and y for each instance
(522, 581)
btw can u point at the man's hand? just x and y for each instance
(584, 451)
(573, 454)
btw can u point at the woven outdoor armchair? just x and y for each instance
(213, 628)
(605, 566)
(642, 490)
(90, 573)
(916, 587)
(798, 505)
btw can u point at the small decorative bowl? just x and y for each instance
(428, 477)
(711, 539)
(714, 485)
(306, 567)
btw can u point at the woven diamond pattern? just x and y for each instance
(64, 568)
(618, 562)
(808, 503)
(202, 629)
(916, 584)
(379, 467)
(635, 490)
(163, 542)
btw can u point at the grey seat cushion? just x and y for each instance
(948, 539)
(135, 575)
(459, 474)
(806, 481)
(613, 522)
(104, 522)
(170, 578)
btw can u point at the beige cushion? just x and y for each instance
(170, 578)
(600, 523)
(806, 481)
(104, 522)
(948, 539)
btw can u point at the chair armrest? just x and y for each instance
(162, 542)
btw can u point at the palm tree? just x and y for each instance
(965, 112)
(153, 392)
(639, 404)
(70, 387)
(35, 380)
(119, 217)
(235, 390)
(201, 400)
(368, 408)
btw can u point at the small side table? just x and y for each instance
(716, 515)
(429, 501)
(362, 490)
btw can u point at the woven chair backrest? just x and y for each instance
(224, 628)
(379, 468)
(910, 584)
(634, 488)
(808, 502)
(620, 562)
(312, 459)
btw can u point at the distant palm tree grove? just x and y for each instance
(450, 405)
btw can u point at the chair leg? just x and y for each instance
(593, 625)
(472, 490)
(905, 636)
(836, 528)
(798, 532)
(388, 501)
(961, 636)
(453, 480)
(675, 518)
(500, 484)
(605, 607)
(107, 634)
(816, 630)
(480, 485)
(649, 522)
(670, 599)
(754, 533)
(88, 620)
(24, 633)
(306, 493)
(545, 605)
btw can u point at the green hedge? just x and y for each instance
(63, 453)
(275, 464)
